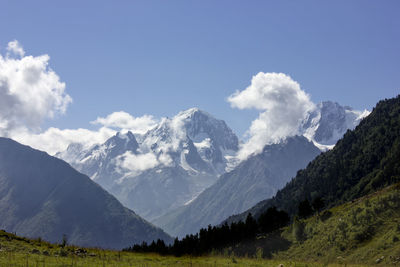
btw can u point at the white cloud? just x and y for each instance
(124, 120)
(137, 163)
(283, 105)
(15, 48)
(30, 91)
(54, 140)
(165, 159)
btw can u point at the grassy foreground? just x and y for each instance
(134, 259)
(16, 251)
(365, 231)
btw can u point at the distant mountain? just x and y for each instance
(329, 121)
(253, 180)
(42, 196)
(166, 168)
(363, 161)
(260, 176)
(99, 161)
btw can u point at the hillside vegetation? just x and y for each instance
(359, 233)
(22, 252)
(364, 231)
(362, 162)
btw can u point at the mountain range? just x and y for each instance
(357, 184)
(169, 166)
(163, 175)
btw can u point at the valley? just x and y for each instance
(199, 133)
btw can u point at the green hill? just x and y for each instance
(362, 162)
(363, 231)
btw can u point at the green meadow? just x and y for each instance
(363, 232)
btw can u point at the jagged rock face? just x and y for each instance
(205, 140)
(212, 138)
(184, 155)
(99, 161)
(43, 196)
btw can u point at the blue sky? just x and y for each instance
(161, 57)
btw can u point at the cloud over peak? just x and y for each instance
(123, 120)
(283, 107)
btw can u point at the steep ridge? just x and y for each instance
(42, 196)
(99, 161)
(362, 231)
(363, 161)
(253, 180)
(365, 230)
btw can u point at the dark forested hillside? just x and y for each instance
(363, 161)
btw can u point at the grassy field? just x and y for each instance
(365, 231)
(17, 251)
(134, 259)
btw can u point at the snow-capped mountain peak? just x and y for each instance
(192, 129)
(181, 156)
(329, 121)
(173, 162)
(120, 141)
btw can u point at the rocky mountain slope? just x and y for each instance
(253, 180)
(43, 196)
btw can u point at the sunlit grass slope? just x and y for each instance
(366, 230)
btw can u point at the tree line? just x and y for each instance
(218, 237)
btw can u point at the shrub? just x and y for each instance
(298, 230)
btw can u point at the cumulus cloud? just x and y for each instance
(137, 163)
(124, 120)
(30, 91)
(283, 105)
(55, 140)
